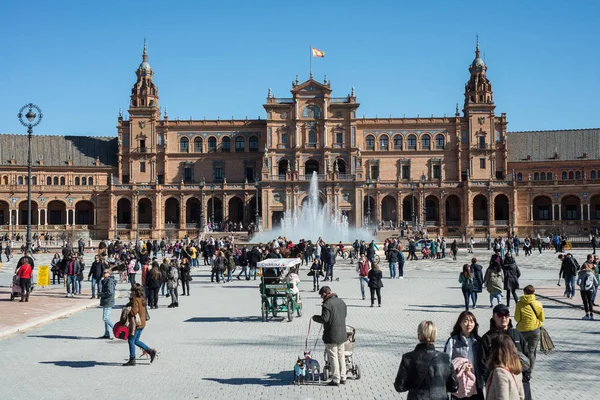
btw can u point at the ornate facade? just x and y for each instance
(455, 175)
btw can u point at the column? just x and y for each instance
(325, 144)
(581, 211)
(560, 212)
(553, 218)
(95, 216)
(10, 214)
(67, 217)
(442, 212)
(17, 216)
(399, 210)
(532, 212)
(588, 209)
(39, 216)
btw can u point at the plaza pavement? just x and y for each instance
(215, 346)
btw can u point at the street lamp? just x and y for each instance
(423, 209)
(368, 183)
(32, 118)
(202, 183)
(256, 216)
(413, 186)
(115, 218)
(489, 200)
(212, 217)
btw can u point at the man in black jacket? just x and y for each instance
(95, 275)
(501, 323)
(568, 270)
(333, 318)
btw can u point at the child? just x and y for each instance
(315, 271)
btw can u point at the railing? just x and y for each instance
(338, 99)
(123, 226)
(480, 222)
(501, 222)
(171, 226)
(192, 226)
(284, 100)
(453, 223)
(338, 145)
(144, 226)
(140, 149)
(432, 223)
(311, 145)
(346, 177)
(320, 177)
(282, 146)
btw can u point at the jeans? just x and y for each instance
(316, 280)
(174, 296)
(96, 284)
(163, 252)
(502, 252)
(107, 322)
(570, 286)
(134, 340)
(393, 270)
(497, 296)
(400, 269)
(229, 277)
(594, 295)
(516, 250)
(335, 354)
(586, 296)
(72, 284)
(363, 280)
(532, 338)
(373, 291)
(162, 288)
(467, 293)
(244, 270)
(474, 298)
(131, 279)
(253, 271)
(329, 272)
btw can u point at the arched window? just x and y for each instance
(226, 144)
(520, 177)
(593, 175)
(20, 180)
(370, 142)
(564, 175)
(49, 181)
(578, 175)
(398, 142)
(77, 180)
(34, 180)
(184, 145)
(536, 176)
(384, 143)
(311, 111)
(90, 181)
(62, 181)
(426, 142)
(56, 180)
(240, 144)
(571, 175)
(543, 176)
(440, 142)
(84, 181)
(312, 137)
(253, 144)
(198, 145)
(549, 176)
(412, 142)
(212, 144)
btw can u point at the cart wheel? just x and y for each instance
(326, 374)
(357, 372)
(263, 311)
(290, 310)
(299, 310)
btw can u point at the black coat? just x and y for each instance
(375, 276)
(511, 276)
(426, 374)
(476, 270)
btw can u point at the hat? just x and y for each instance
(501, 309)
(324, 289)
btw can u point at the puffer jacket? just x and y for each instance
(511, 275)
(426, 374)
(333, 318)
(527, 319)
(494, 280)
(476, 270)
(457, 346)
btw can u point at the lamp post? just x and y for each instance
(368, 183)
(423, 180)
(489, 199)
(212, 216)
(202, 183)
(137, 225)
(412, 195)
(32, 118)
(256, 215)
(115, 219)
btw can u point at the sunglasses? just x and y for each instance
(502, 315)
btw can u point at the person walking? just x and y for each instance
(454, 249)
(95, 274)
(333, 318)
(506, 380)
(133, 266)
(375, 283)
(72, 272)
(364, 267)
(587, 282)
(466, 280)
(465, 355)
(393, 258)
(425, 372)
(56, 268)
(154, 281)
(477, 272)
(25, 271)
(511, 278)
(137, 303)
(107, 301)
(164, 271)
(185, 276)
(568, 270)
(529, 315)
(329, 261)
(172, 283)
(494, 282)
(316, 271)
(412, 248)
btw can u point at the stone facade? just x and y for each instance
(451, 175)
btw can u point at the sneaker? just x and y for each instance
(592, 317)
(333, 383)
(586, 317)
(400, 277)
(343, 382)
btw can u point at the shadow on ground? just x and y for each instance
(224, 319)
(65, 337)
(81, 364)
(282, 378)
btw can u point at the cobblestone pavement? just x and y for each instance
(214, 345)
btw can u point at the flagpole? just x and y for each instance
(310, 57)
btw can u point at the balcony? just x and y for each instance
(481, 222)
(432, 223)
(123, 226)
(171, 226)
(338, 145)
(140, 150)
(501, 222)
(284, 100)
(311, 145)
(320, 177)
(144, 226)
(283, 146)
(346, 177)
(453, 223)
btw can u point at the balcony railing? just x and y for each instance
(453, 223)
(123, 226)
(481, 222)
(338, 145)
(501, 222)
(171, 226)
(192, 226)
(144, 226)
(338, 99)
(140, 150)
(282, 146)
(346, 177)
(311, 145)
(320, 177)
(432, 223)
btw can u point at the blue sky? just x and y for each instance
(77, 59)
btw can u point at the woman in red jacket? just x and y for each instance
(24, 273)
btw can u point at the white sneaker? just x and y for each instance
(586, 317)
(401, 277)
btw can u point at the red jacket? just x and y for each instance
(25, 271)
(363, 268)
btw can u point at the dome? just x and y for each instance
(478, 62)
(144, 66)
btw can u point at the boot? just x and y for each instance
(22, 298)
(130, 363)
(152, 353)
(27, 297)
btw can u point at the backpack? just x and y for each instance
(468, 283)
(587, 284)
(137, 266)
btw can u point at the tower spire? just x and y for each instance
(477, 46)
(145, 53)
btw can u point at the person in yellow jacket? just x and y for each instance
(529, 315)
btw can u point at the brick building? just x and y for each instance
(452, 175)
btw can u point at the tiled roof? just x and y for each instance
(541, 145)
(57, 150)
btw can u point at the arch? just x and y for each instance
(536, 176)
(341, 166)
(57, 212)
(440, 142)
(5, 180)
(62, 181)
(542, 176)
(593, 175)
(453, 211)
(124, 211)
(370, 142)
(240, 144)
(282, 167)
(23, 213)
(311, 111)
(501, 208)
(197, 144)
(398, 142)
(253, 144)
(77, 183)
(212, 144)
(564, 175)
(172, 211)
(595, 207)
(184, 145)
(520, 177)
(407, 207)
(577, 174)
(320, 198)
(144, 211)
(4, 213)
(388, 209)
(311, 166)
(384, 143)
(55, 181)
(571, 176)
(432, 209)
(542, 208)
(480, 208)
(252, 209)
(193, 207)
(84, 181)
(570, 208)
(217, 211)
(425, 142)
(226, 144)
(369, 204)
(412, 142)
(84, 213)
(48, 180)
(34, 180)
(312, 137)
(235, 209)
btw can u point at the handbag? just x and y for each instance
(546, 344)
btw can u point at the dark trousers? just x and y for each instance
(467, 294)
(401, 268)
(153, 297)
(514, 294)
(185, 284)
(26, 286)
(55, 275)
(373, 291)
(214, 273)
(329, 272)
(132, 279)
(586, 296)
(316, 280)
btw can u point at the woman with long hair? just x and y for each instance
(137, 302)
(375, 283)
(467, 282)
(505, 381)
(494, 282)
(464, 350)
(55, 267)
(154, 281)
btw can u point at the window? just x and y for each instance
(33, 180)
(398, 142)
(384, 143)
(90, 181)
(184, 145)
(578, 175)
(426, 142)
(142, 145)
(412, 142)
(543, 176)
(498, 135)
(219, 174)
(125, 179)
(77, 180)
(198, 145)
(212, 144)
(311, 112)
(20, 180)
(226, 145)
(285, 140)
(482, 163)
(339, 136)
(593, 175)
(564, 175)
(536, 176)
(48, 181)
(406, 172)
(250, 174)
(142, 166)
(520, 177)
(187, 174)
(55, 180)
(549, 176)
(240, 144)
(126, 139)
(62, 180)
(312, 137)
(440, 142)
(161, 179)
(571, 175)
(84, 181)
(437, 172)
(571, 212)
(370, 142)
(253, 144)
(465, 136)
(375, 172)
(482, 142)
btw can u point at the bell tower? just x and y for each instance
(144, 94)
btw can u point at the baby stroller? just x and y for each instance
(351, 367)
(15, 287)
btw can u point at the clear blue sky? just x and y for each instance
(76, 59)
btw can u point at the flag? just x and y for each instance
(317, 52)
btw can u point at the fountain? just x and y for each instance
(314, 220)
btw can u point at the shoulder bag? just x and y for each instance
(546, 343)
